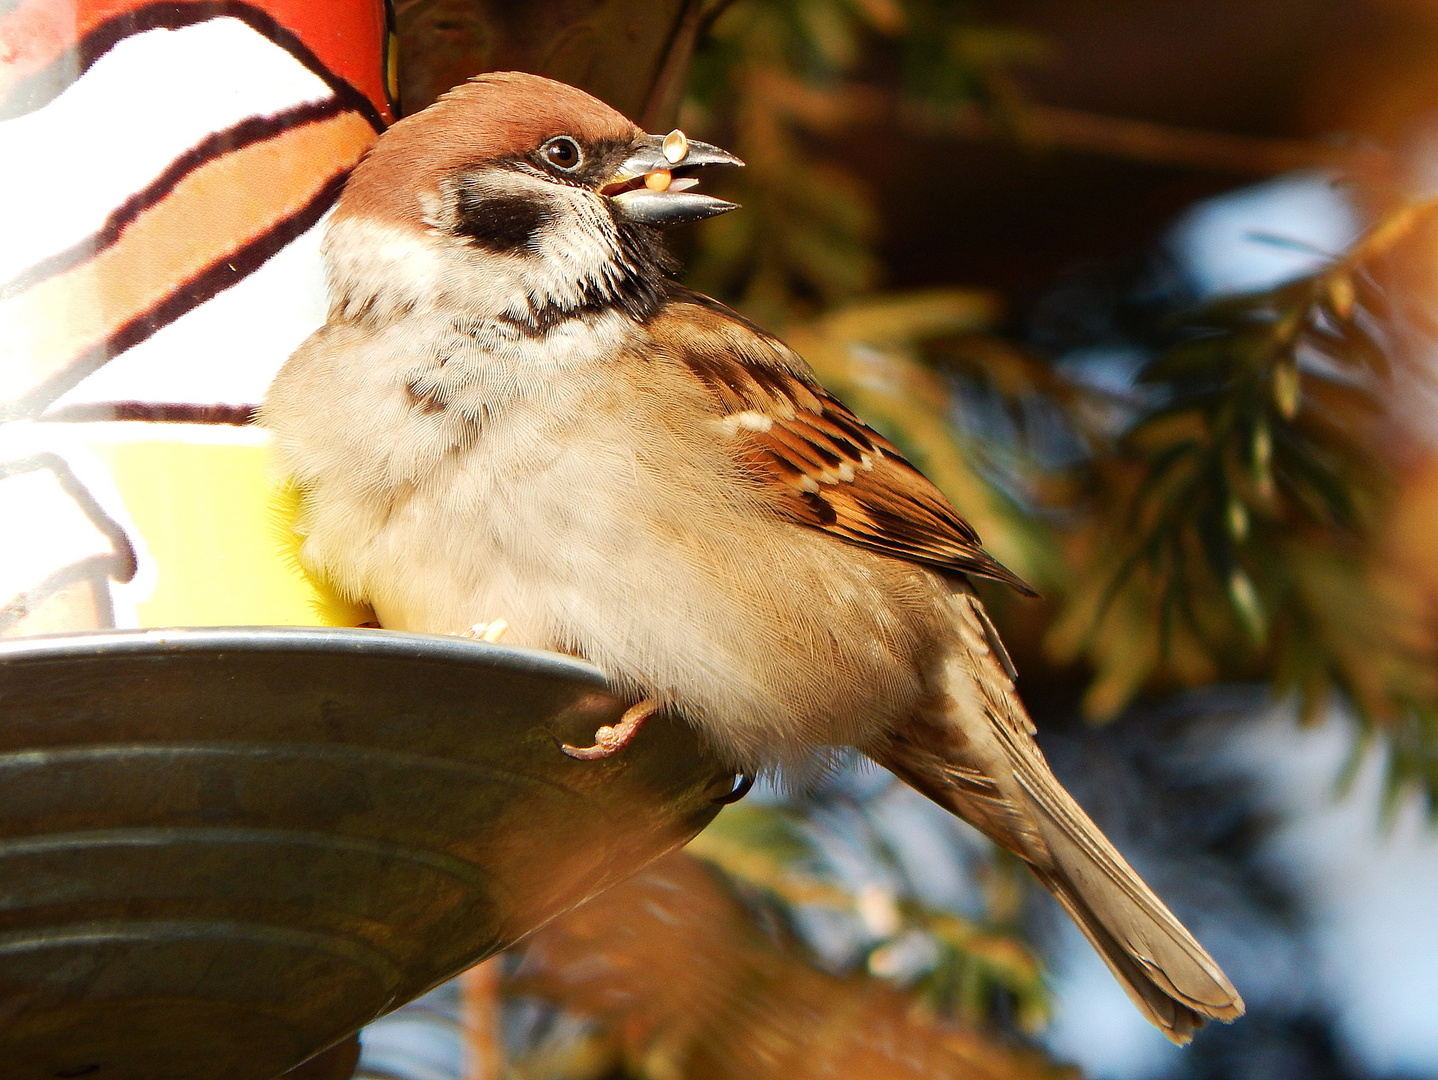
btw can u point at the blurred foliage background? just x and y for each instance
(957, 212)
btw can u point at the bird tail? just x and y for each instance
(977, 758)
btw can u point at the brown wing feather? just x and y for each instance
(836, 473)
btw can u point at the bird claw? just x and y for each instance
(486, 631)
(610, 739)
(740, 789)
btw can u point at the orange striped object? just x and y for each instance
(168, 166)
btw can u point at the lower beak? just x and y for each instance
(653, 189)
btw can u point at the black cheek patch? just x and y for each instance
(499, 223)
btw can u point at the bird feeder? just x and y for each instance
(223, 850)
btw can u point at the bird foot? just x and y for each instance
(608, 740)
(486, 631)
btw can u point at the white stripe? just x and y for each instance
(145, 102)
(228, 349)
(52, 533)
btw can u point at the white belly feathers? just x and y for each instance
(519, 495)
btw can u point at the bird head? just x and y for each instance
(514, 195)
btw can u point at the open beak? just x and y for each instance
(653, 185)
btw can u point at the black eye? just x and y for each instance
(562, 153)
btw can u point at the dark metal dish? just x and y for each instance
(222, 850)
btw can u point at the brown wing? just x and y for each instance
(838, 474)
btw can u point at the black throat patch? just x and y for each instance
(635, 284)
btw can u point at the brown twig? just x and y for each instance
(1141, 140)
(1051, 126)
(661, 106)
(479, 1021)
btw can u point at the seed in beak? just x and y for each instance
(658, 180)
(676, 147)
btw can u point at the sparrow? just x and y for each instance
(514, 414)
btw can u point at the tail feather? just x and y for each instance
(1162, 1007)
(977, 758)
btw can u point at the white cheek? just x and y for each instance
(574, 256)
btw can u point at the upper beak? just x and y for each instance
(666, 200)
